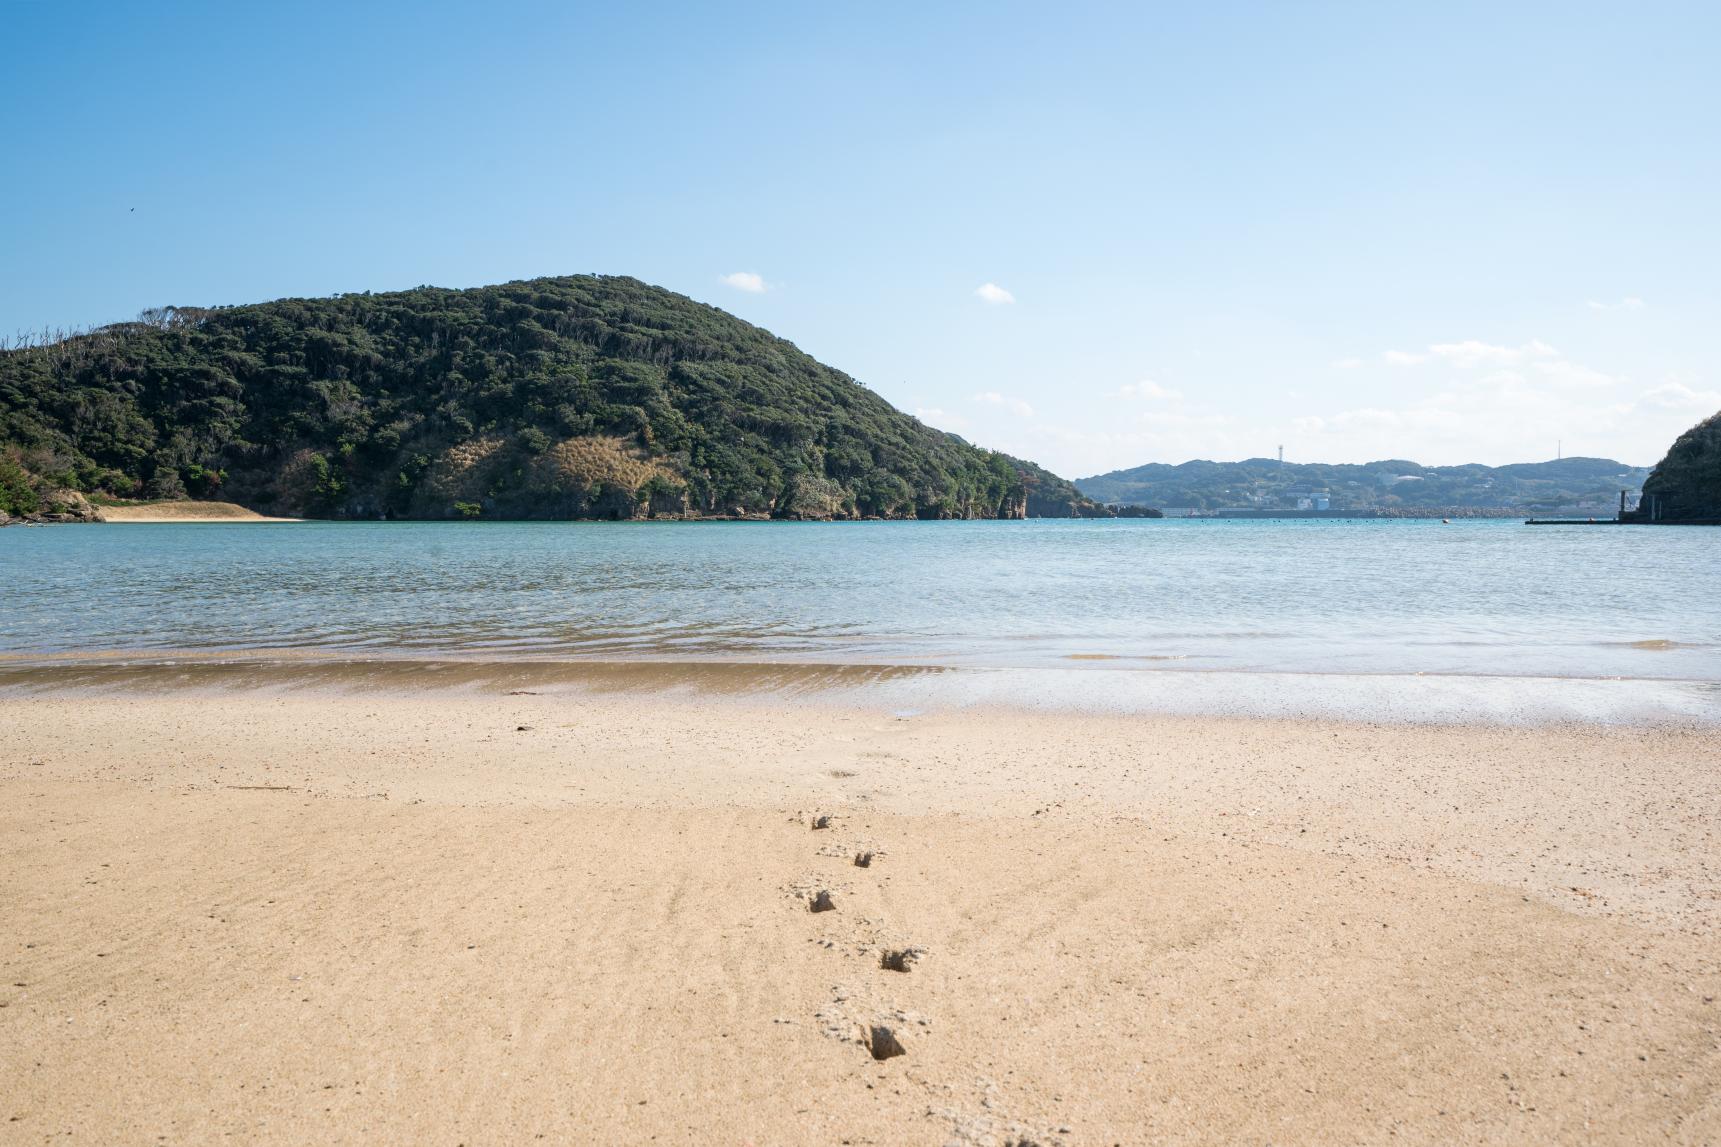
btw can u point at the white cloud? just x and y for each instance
(1629, 303)
(1375, 418)
(1404, 358)
(1014, 405)
(1466, 400)
(1177, 418)
(1563, 373)
(747, 281)
(994, 294)
(1155, 436)
(1678, 396)
(1514, 410)
(1146, 388)
(1471, 352)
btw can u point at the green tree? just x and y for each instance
(17, 494)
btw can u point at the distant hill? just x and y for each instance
(575, 397)
(1393, 485)
(1686, 484)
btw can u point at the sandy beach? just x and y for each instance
(185, 511)
(466, 916)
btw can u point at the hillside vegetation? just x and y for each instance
(1686, 484)
(1393, 485)
(574, 397)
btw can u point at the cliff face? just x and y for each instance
(574, 397)
(1686, 485)
(1048, 496)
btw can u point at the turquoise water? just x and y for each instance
(1486, 598)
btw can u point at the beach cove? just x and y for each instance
(1173, 832)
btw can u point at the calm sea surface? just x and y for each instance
(1395, 597)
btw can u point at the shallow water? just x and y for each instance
(1490, 599)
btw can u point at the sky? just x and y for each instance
(1091, 235)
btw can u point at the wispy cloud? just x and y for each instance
(1376, 418)
(1678, 396)
(993, 294)
(1014, 405)
(1629, 303)
(1472, 352)
(1148, 389)
(1521, 399)
(1350, 363)
(1154, 434)
(1571, 374)
(752, 283)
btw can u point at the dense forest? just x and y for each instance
(1391, 486)
(1686, 484)
(573, 397)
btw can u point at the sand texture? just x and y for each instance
(187, 511)
(480, 918)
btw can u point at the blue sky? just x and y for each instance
(1092, 235)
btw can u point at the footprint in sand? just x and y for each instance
(861, 1019)
(876, 1032)
(883, 1044)
(898, 959)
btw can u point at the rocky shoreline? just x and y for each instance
(66, 507)
(58, 507)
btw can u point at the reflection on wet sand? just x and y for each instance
(1091, 686)
(193, 672)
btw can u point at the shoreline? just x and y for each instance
(484, 915)
(1081, 686)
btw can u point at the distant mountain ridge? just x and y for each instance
(1388, 486)
(582, 396)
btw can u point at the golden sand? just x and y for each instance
(471, 918)
(187, 511)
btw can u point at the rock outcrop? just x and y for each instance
(57, 507)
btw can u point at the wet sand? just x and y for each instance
(341, 915)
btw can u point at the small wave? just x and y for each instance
(1126, 656)
(1657, 644)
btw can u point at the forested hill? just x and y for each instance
(1393, 485)
(575, 397)
(1686, 484)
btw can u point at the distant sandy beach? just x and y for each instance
(187, 511)
(347, 915)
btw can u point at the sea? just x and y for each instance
(1393, 619)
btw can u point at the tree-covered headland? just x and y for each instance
(573, 397)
